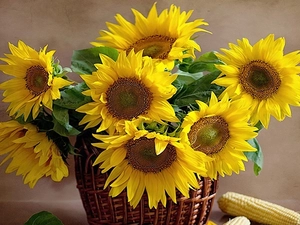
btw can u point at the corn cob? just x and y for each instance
(239, 220)
(257, 210)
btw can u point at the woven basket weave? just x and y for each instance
(102, 209)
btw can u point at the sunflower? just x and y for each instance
(142, 160)
(33, 83)
(221, 131)
(33, 154)
(261, 75)
(165, 37)
(127, 89)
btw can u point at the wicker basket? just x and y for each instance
(102, 209)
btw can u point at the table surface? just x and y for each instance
(69, 212)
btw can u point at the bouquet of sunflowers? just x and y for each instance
(162, 116)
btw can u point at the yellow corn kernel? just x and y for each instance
(239, 220)
(257, 210)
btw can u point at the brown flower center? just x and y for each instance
(259, 79)
(155, 46)
(128, 98)
(142, 156)
(37, 80)
(209, 134)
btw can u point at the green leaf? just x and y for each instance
(198, 90)
(255, 157)
(209, 57)
(83, 61)
(184, 78)
(43, 218)
(205, 63)
(61, 122)
(184, 63)
(199, 66)
(72, 97)
(184, 67)
(63, 144)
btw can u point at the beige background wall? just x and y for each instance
(66, 25)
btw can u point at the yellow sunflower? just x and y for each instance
(33, 83)
(261, 75)
(127, 89)
(221, 131)
(163, 37)
(32, 154)
(141, 160)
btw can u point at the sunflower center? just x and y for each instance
(142, 156)
(209, 134)
(128, 98)
(37, 80)
(259, 79)
(155, 46)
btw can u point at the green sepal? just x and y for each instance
(61, 122)
(21, 119)
(59, 71)
(256, 157)
(43, 218)
(259, 126)
(82, 61)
